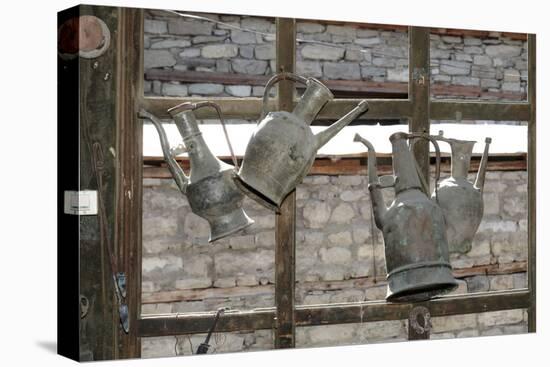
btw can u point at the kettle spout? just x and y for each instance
(375, 188)
(175, 169)
(324, 136)
(480, 178)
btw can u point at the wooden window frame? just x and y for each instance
(418, 109)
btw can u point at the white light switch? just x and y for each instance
(81, 202)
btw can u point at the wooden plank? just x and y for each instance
(532, 182)
(419, 92)
(129, 175)
(327, 314)
(466, 110)
(347, 166)
(97, 129)
(186, 295)
(285, 221)
(250, 108)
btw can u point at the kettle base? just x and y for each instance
(420, 283)
(225, 225)
(255, 195)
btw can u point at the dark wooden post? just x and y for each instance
(285, 222)
(129, 174)
(419, 92)
(531, 182)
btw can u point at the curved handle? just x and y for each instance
(189, 106)
(274, 80)
(175, 169)
(437, 160)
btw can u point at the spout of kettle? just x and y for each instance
(324, 136)
(175, 169)
(375, 187)
(480, 178)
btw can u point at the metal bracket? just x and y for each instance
(420, 75)
(420, 323)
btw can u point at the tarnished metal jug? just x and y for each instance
(210, 188)
(413, 227)
(461, 200)
(282, 149)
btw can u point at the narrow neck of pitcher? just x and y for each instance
(461, 154)
(406, 176)
(314, 98)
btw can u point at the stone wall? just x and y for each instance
(339, 258)
(495, 64)
(340, 255)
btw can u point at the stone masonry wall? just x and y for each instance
(495, 64)
(335, 245)
(340, 255)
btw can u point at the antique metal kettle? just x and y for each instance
(413, 226)
(460, 200)
(282, 149)
(210, 188)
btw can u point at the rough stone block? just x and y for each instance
(154, 226)
(309, 68)
(380, 330)
(482, 60)
(307, 27)
(205, 88)
(399, 75)
(207, 39)
(369, 72)
(239, 90)
(473, 50)
(495, 318)
(322, 52)
(178, 90)
(469, 41)
(343, 213)
(257, 24)
(501, 282)
(341, 70)
(164, 263)
(247, 280)
(361, 235)
(171, 43)
(156, 347)
(155, 26)
(193, 283)
(265, 52)
(189, 27)
(158, 59)
(451, 67)
(245, 66)
(316, 214)
(242, 37)
(453, 323)
(354, 55)
(326, 335)
(503, 51)
(340, 238)
(478, 283)
(352, 195)
(367, 42)
(451, 39)
(190, 52)
(242, 242)
(335, 255)
(219, 51)
(224, 282)
(511, 86)
(265, 239)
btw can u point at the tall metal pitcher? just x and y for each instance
(413, 227)
(282, 149)
(210, 189)
(460, 199)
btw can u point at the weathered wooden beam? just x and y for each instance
(347, 166)
(326, 314)
(419, 93)
(532, 181)
(465, 110)
(364, 282)
(129, 174)
(250, 108)
(285, 221)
